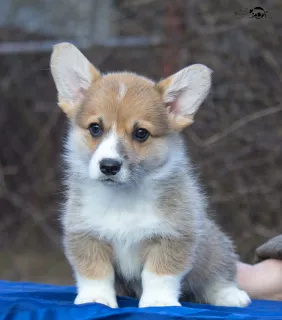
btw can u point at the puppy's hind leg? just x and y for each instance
(218, 270)
(226, 294)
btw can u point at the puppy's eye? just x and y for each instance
(95, 129)
(141, 134)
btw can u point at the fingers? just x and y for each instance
(272, 249)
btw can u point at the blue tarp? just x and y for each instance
(22, 301)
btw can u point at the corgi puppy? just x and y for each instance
(134, 209)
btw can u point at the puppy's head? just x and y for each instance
(122, 123)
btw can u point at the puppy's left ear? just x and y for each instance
(184, 92)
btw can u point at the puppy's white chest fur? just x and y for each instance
(124, 220)
(128, 259)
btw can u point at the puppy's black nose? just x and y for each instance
(110, 167)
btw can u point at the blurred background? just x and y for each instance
(235, 141)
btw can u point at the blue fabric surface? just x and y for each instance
(22, 301)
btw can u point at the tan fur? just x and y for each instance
(67, 108)
(95, 73)
(163, 84)
(92, 257)
(141, 101)
(87, 139)
(179, 123)
(166, 256)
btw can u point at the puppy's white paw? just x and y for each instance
(99, 291)
(230, 297)
(160, 290)
(98, 298)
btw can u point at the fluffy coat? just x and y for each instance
(144, 230)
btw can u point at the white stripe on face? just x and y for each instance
(122, 91)
(106, 149)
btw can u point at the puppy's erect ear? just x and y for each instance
(73, 74)
(184, 92)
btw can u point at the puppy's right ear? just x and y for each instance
(73, 74)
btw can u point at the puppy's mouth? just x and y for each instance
(110, 181)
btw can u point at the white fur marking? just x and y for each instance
(106, 149)
(160, 290)
(120, 215)
(227, 295)
(128, 259)
(100, 291)
(122, 91)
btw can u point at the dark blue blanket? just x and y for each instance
(22, 301)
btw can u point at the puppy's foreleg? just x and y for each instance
(91, 260)
(166, 262)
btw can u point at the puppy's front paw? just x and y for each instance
(109, 301)
(150, 301)
(230, 297)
